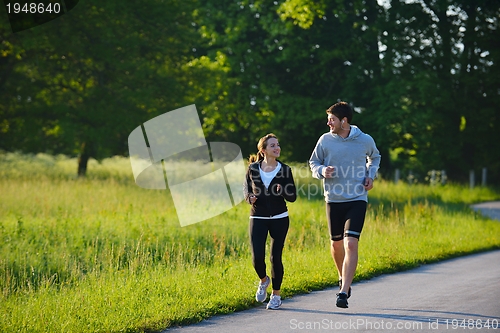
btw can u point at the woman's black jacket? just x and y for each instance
(270, 201)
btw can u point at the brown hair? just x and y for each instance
(260, 146)
(341, 110)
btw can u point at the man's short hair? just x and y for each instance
(341, 110)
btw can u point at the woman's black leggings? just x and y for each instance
(277, 228)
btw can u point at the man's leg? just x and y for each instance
(336, 221)
(350, 262)
(338, 254)
(353, 227)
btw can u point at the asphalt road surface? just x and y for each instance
(491, 209)
(457, 295)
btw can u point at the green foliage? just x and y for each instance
(83, 82)
(438, 65)
(301, 12)
(424, 75)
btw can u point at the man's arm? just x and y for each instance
(316, 162)
(373, 160)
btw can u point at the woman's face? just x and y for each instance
(273, 148)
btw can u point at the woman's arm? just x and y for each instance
(247, 187)
(288, 189)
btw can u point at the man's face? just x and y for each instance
(334, 123)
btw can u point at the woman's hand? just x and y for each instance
(252, 199)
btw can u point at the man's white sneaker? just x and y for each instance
(274, 302)
(261, 293)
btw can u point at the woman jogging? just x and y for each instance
(268, 184)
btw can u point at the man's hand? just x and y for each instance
(328, 172)
(368, 183)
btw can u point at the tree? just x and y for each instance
(82, 82)
(423, 74)
(408, 66)
(440, 67)
(288, 62)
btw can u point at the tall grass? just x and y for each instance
(103, 255)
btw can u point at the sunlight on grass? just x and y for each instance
(103, 255)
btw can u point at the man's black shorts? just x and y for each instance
(345, 219)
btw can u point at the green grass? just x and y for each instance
(103, 255)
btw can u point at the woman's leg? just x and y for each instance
(258, 236)
(278, 231)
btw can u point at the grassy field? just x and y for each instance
(103, 255)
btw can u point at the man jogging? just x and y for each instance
(347, 160)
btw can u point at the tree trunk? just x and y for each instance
(86, 153)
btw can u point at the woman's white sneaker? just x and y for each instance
(261, 293)
(274, 302)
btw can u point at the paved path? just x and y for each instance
(458, 295)
(491, 209)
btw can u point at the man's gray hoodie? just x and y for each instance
(353, 158)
